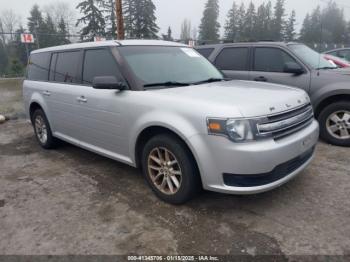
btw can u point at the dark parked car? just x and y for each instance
(342, 53)
(295, 65)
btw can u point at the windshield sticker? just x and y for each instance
(190, 52)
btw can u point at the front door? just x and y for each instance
(269, 65)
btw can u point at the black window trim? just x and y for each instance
(207, 48)
(108, 48)
(80, 50)
(48, 71)
(231, 47)
(274, 47)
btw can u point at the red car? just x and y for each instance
(337, 61)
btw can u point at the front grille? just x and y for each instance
(282, 125)
(278, 173)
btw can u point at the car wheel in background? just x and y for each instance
(335, 123)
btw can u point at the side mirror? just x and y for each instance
(293, 68)
(107, 82)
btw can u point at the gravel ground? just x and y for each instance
(70, 201)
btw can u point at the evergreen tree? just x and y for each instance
(249, 23)
(348, 33)
(149, 28)
(20, 48)
(209, 27)
(62, 31)
(240, 22)
(48, 32)
(186, 30)
(305, 30)
(259, 22)
(140, 19)
(3, 58)
(315, 30)
(36, 23)
(231, 25)
(278, 21)
(268, 22)
(168, 36)
(333, 24)
(129, 12)
(92, 19)
(110, 18)
(289, 34)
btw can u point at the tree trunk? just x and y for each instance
(120, 20)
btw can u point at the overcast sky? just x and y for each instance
(173, 12)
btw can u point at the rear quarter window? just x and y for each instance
(233, 58)
(38, 67)
(206, 52)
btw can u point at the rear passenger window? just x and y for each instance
(99, 62)
(67, 67)
(206, 52)
(38, 68)
(233, 59)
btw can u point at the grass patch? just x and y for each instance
(11, 98)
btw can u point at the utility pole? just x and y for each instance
(120, 20)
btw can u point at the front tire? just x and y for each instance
(335, 124)
(42, 130)
(170, 169)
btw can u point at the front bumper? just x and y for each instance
(217, 156)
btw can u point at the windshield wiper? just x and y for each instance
(169, 83)
(210, 80)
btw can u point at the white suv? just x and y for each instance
(163, 107)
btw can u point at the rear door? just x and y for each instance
(268, 64)
(234, 62)
(65, 85)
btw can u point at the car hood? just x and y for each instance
(251, 99)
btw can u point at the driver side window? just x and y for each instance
(269, 59)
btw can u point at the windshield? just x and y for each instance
(159, 64)
(311, 57)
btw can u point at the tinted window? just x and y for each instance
(206, 52)
(271, 59)
(344, 54)
(38, 68)
(67, 67)
(233, 59)
(99, 63)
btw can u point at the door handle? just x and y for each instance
(260, 79)
(46, 93)
(82, 99)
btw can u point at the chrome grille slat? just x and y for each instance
(282, 125)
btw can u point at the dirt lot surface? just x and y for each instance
(70, 201)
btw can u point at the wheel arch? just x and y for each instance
(330, 100)
(148, 132)
(32, 108)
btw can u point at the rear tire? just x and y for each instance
(335, 124)
(42, 130)
(170, 169)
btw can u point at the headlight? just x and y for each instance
(237, 130)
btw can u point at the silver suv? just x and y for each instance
(163, 107)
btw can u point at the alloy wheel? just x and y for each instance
(40, 129)
(164, 170)
(338, 124)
